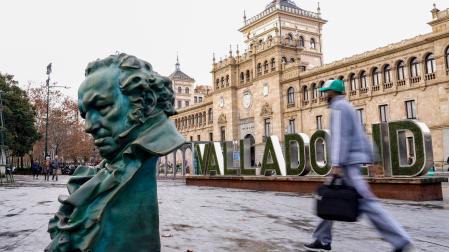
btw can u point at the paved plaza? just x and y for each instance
(216, 219)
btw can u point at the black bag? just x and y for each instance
(337, 201)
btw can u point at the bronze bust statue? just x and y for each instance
(114, 207)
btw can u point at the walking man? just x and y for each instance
(54, 168)
(349, 148)
(47, 167)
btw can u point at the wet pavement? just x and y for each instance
(217, 219)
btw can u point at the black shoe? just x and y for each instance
(407, 248)
(317, 246)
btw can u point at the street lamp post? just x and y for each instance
(48, 102)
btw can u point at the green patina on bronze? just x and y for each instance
(113, 207)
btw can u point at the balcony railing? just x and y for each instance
(415, 80)
(388, 85)
(430, 76)
(375, 88)
(364, 90)
(353, 92)
(401, 83)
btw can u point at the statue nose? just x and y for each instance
(91, 124)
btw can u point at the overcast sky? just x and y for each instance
(72, 33)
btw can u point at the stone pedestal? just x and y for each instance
(415, 189)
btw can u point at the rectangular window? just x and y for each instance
(195, 100)
(179, 104)
(187, 103)
(361, 116)
(198, 137)
(410, 109)
(223, 133)
(191, 138)
(383, 112)
(291, 126)
(200, 99)
(267, 127)
(319, 124)
(211, 136)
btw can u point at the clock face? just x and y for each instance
(221, 104)
(247, 100)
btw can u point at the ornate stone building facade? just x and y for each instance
(272, 87)
(186, 92)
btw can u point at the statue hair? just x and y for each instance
(147, 91)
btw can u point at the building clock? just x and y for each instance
(246, 100)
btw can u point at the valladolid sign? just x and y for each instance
(402, 148)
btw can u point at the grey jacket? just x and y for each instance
(349, 143)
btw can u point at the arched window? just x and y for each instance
(210, 115)
(352, 82)
(248, 76)
(187, 90)
(312, 43)
(376, 77)
(259, 68)
(289, 38)
(446, 56)
(242, 77)
(227, 80)
(265, 66)
(363, 80)
(222, 81)
(314, 91)
(301, 41)
(401, 70)
(284, 60)
(387, 74)
(414, 67)
(430, 64)
(273, 64)
(321, 85)
(200, 119)
(179, 90)
(291, 95)
(305, 93)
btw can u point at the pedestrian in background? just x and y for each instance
(349, 148)
(54, 168)
(47, 167)
(35, 169)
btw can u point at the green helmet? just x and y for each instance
(335, 85)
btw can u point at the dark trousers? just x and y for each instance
(55, 174)
(46, 174)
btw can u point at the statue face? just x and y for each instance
(105, 110)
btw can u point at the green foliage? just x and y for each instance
(320, 170)
(418, 166)
(201, 159)
(269, 150)
(302, 168)
(227, 170)
(19, 117)
(243, 169)
(212, 160)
